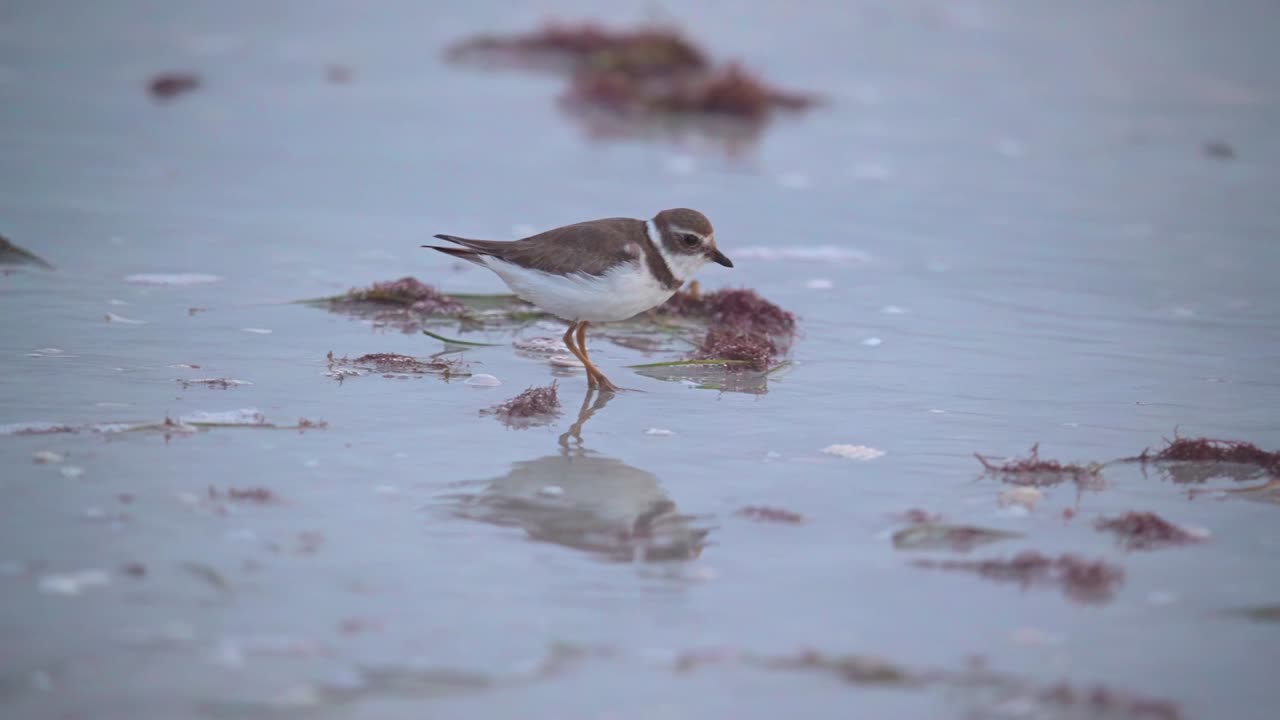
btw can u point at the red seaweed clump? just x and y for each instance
(728, 91)
(1034, 471)
(1079, 579)
(770, 514)
(402, 304)
(643, 51)
(648, 71)
(744, 349)
(396, 363)
(739, 309)
(407, 292)
(1147, 531)
(172, 84)
(533, 406)
(1223, 451)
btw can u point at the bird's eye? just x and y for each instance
(690, 240)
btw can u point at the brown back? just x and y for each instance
(592, 247)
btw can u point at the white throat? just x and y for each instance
(682, 266)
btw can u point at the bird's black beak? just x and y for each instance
(719, 257)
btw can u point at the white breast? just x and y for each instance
(623, 292)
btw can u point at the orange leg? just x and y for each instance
(568, 342)
(605, 385)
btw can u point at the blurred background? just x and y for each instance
(998, 224)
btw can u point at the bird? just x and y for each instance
(601, 270)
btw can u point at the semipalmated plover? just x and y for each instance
(600, 270)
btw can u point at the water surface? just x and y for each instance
(1033, 246)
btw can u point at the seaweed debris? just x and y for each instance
(1202, 449)
(729, 91)
(534, 406)
(172, 84)
(646, 73)
(1103, 702)
(1147, 531)
(184, 425)
(1033, 471)
(854, 669)
(739, 309)
(259, 495)
(994, 690)
(11, 254)
(743, 327)
(937, 536)
(215, 383)
(407, 292)
(743, 349)
(406, 304)
(393, 365)
(643, 51)
(761, 513)
(1080, 580)
(728, 329)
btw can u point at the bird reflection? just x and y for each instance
(587, 502)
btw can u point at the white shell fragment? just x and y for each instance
(72, 583)
(1025, 497)
(853, 452)
(659, 432)
(482, 380)
(565, 361)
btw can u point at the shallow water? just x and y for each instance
(1034, 247)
